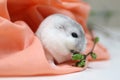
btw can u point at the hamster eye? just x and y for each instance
(74, 35)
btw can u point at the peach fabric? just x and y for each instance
(21, 52)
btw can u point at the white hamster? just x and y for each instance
(60, 35)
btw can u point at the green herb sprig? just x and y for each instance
(81, 58)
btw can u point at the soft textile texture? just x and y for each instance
(21, 53)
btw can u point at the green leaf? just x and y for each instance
(96, 40)
(81, 63)
(77, 57)
(93, 55)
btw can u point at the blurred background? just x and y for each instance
(105, 12)
(105, 21)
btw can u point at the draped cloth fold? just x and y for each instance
(21, 52)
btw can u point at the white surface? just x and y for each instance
(102, 70)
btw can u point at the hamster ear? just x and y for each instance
(60, 27)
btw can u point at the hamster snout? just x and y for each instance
(60, 35)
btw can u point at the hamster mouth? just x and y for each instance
(74, 52)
